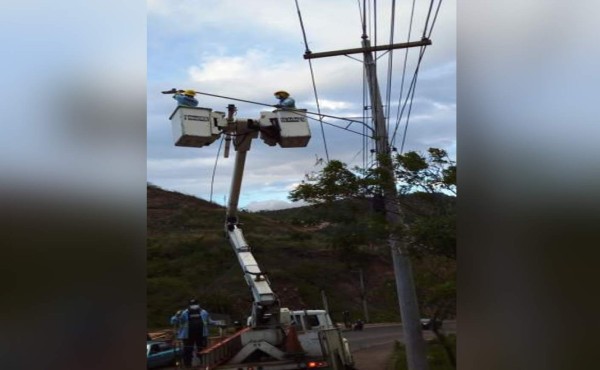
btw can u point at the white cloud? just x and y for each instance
(270, 205)
(333, 105)
(186, 164)
(256, 74)
(249, 75)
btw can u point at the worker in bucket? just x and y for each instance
(192, 329)
(285, 101)
(186, 98)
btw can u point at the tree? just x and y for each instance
(334, 182)
(427, 184)
(429, 179)
(337, 183)
(433, 174)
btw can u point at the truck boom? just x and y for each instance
(265, 305)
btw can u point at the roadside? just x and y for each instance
(374, 348)
(373, 358)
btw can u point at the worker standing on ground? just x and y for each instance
(192, 324)
(285, 101)
(186, 98)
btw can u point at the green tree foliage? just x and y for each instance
(434, 234)
(433, 174)
(334, 182)
(433, 227)
(430, 180)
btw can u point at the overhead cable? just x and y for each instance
(388, 90)
(362, 19)
(437, 11)
(312, 75)
(297, 111)
(413, 83)
(342, 128)
(409, 111)
(398, 114)
(212, 180)
(409, 96)
(428, 15)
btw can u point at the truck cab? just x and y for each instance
(317, 334)
(308, 324)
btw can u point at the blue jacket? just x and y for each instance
(185, 100)
(287, 103)
(180, 321)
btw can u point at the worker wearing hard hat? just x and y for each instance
(285, 101)
(186, 98)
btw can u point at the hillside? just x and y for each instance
(188, 255)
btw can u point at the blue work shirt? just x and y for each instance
(186, 101)
(287, 103)
(181, 322)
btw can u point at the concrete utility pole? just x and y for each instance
(409, 309)
(325, 302)
(363, 296)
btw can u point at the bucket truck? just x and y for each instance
(276, 338)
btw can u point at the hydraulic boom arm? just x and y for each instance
(265, 306)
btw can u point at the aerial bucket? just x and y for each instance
(288, 128)
(195, 127)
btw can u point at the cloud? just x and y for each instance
(270, 205)
(253, 74)
(333, 105)
(256, 74)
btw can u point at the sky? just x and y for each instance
(248, 50)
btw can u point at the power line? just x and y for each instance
(398, 114)
(212, 181)
(341, 128)
(388, 90)
(428, 15)
(360, 14)
(437, 11)
(312, 75)
(412, 88)
(296, 111)
(409, 111)
(409, 95)
(422, 52)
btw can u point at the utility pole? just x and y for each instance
(363, 296)
(324, 298)
(405, 288)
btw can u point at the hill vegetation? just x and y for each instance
(304, 250)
